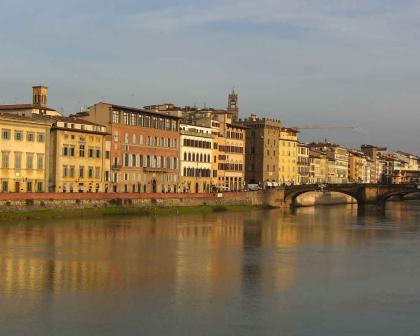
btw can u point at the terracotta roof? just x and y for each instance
(73, 120)
(289, 129)
(34, 117)
(136, 109)
(236, 125)
(22, 107)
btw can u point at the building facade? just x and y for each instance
(196, 155)
(318, 167)
(303, 163)
(144, 147)
(231, 157)
(78, 156)
(359, 166)
(24, 146)
(287, 148)
(261, 152)
(338, 161)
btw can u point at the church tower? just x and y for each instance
(39, 98)
(233, 105)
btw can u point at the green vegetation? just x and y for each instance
(46, 214)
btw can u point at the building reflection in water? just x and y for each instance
(214, 254)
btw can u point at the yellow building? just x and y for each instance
(24, 145)
(288, 156)
(78, 156)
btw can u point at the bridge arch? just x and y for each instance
(291, 195)
(386, 196)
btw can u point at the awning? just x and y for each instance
(275, 184)
(269, 184)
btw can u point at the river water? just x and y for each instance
(318, 271)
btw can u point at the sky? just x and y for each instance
(305, 62)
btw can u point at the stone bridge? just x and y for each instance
(362, 193)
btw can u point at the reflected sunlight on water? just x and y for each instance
(242, 271)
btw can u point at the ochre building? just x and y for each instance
(24, 146)
(78, 156)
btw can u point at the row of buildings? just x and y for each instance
(165, 148)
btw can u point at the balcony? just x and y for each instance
(157, 170)
(116, 166)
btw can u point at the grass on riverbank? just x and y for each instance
(45, 214)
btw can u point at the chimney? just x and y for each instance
(253, 117)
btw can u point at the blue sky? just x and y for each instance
(305, 62)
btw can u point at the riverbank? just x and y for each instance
(49, 214)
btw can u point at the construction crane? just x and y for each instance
(316, 127)
(321, 127)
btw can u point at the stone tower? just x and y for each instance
(39, 98)
(233, 105)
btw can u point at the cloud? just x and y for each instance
(341, 62)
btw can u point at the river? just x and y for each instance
(317, 271)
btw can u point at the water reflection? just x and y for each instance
(216, 264)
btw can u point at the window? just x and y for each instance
(116, 136)
(147, 121)
(18, 160)
(40, 161)
(90, 172)
(107, 155)
(81, 171)
(30, 136)
(18, 135)
(97, 172)
(133, 119)
(29, 160)
(4, 186)
(98, 153)
(65, 171)
(115, 117)
(82, 150)
(5, 134)
(5, 159)
(126, 120)
(90, 152)
(40, 137)
(71, 151)
(71, 171)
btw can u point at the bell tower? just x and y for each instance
(233, 105)
(39, 98)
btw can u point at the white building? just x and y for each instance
(196, 158)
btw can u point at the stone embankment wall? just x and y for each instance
(35, 201)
